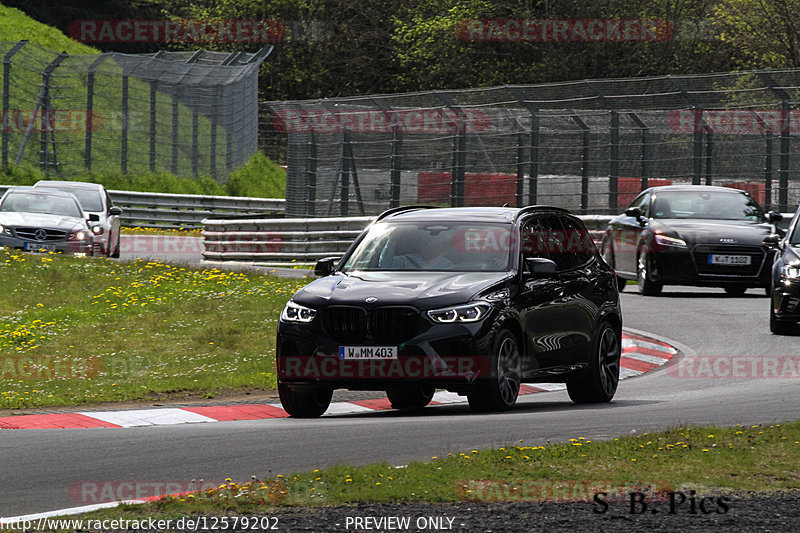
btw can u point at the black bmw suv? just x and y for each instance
(472, 300)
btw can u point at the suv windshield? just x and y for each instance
(706, 205)
(433, 246)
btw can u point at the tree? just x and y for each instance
(765, 33)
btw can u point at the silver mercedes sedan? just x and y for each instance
(44, 220)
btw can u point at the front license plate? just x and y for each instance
(367, 352)
(715, 259)
(36, 247)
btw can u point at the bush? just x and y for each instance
(259, 177)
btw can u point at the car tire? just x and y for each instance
(598, 382)
(115, 253)
(607, 251)
(410, 398)
(778, 326)
(647, 287)
(735, 290)
(499, 392)
(311, 403)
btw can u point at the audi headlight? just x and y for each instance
(460, 313)
(665, 240)
(790, 271)
(297, 313)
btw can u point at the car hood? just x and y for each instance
(696, 231)
(424, 290)
(41, 220)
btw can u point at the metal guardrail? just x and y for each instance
(302, 241)
(170, 211)
(298, 240)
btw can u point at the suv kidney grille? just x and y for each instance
(345, 323)
(381, 325)
(393, 324)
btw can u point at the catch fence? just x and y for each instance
(188, 113)
(589, 146)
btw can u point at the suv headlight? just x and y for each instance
(297, 313)
(665, 240)
(790, 271)
(460, 313)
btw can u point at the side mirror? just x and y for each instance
(773, 217)
(538, 266)
(772, 241)
(325, 266)
(93, 217)
(115, 211)
(634, 212)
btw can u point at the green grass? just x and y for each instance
(16, 25)
(259, 177)
(88, 330)
(711, 460)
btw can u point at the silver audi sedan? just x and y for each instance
(45, 220)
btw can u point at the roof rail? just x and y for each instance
(396, 210)
(532, 208)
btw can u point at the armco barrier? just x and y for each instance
(298, 240)
(266, 241)
(162, 210)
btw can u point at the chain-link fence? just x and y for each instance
(588, 146)
(188, 113)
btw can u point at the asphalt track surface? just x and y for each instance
(41, 466)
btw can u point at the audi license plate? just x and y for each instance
(715, 259)
(367, 352)
(36, 247)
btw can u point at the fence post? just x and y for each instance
(613, 163)
(645, 157)
(344, 205)
(87, 153)
(584, 162)
(311, 175)
(7, 97)
(124, 133)
(212, 159)
(533, 173)
(520, 165)
(783, 172)
(153, 122)
(396, 165)
(709, 154)
(697, 146)
(457, 187)
(175, 109)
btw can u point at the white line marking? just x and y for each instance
(645, 358)
(149, 417)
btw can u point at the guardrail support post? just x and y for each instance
(6, 98)
(768, 170)
(520, 167)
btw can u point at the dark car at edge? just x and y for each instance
(475, 301)
(784, 309)
(693, 235)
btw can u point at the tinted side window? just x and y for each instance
(643, 203)
(557, 242)
(533, 240)
(578, 243)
